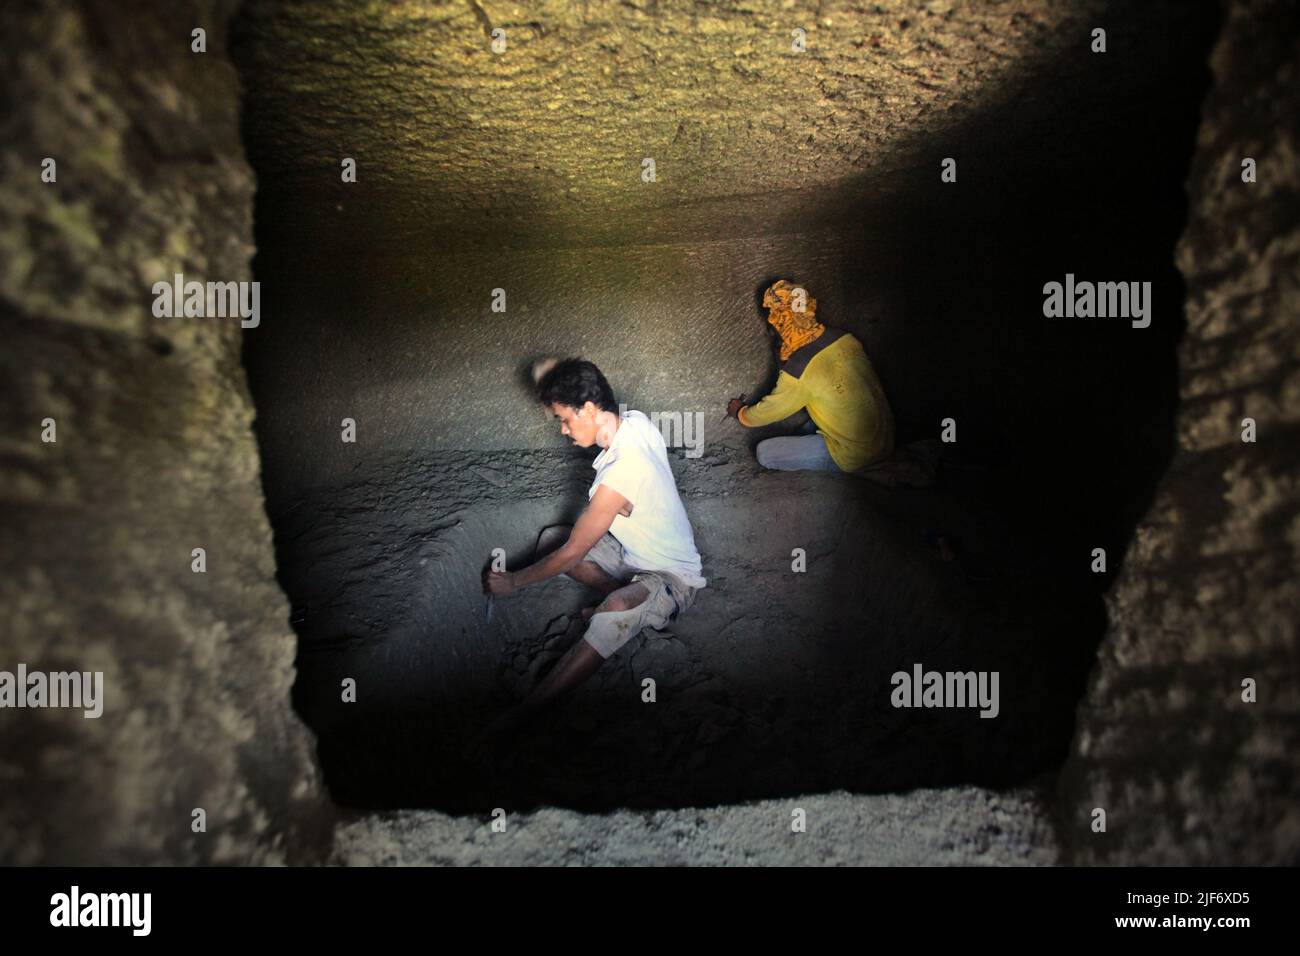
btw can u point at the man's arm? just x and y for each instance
(592, 524)
(786, 399)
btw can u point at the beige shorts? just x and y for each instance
(669, 596)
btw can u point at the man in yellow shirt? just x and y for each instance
(825, 370)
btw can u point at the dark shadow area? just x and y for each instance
(775, 683)
(1065, 425)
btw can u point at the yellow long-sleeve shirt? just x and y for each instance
(833, 378)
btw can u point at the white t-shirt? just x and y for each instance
(657, 536)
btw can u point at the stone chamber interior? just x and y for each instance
(776, 683)
(521, 171)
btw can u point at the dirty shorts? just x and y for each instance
(669, 596)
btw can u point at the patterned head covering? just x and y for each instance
(796, 328)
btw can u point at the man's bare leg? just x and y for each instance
(587, 572)
(582, 659)
(580, 662)
(591, 574)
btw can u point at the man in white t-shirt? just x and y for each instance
(633, 543)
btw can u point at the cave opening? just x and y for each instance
(377, 304)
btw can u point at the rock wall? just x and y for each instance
(379, 293)
(409, 347)
(153, 457)
(762, 116)
(1186, 770)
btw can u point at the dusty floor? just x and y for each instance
(958, 826)
(774, 684)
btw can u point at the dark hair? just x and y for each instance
(574, 382)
